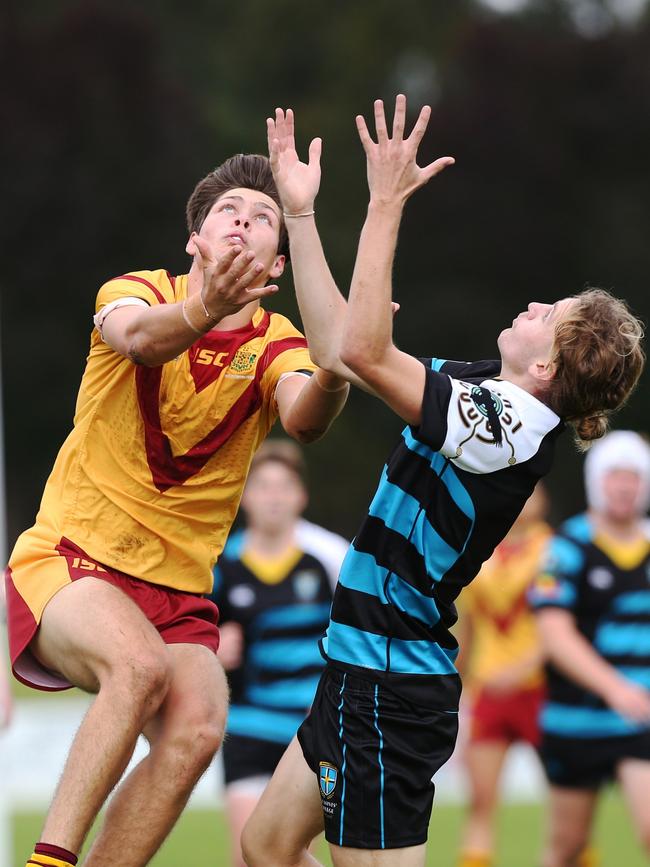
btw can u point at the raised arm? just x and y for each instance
(322, 307)
(367, 347)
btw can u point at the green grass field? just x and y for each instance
(200, 839)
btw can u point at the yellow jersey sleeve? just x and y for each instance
(288, 353)
(153, 287)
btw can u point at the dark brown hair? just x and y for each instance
(280, 451)
(246, 171)
(598, 361)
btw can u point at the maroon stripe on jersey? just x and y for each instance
(212, 353)
(172, 281)
(167, 470)
(149, 285)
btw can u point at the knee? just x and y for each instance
(566, 848)
(254, 848)
(143, 678)
(263, 846)
(206, 738)
(191, 747)
(482, 803)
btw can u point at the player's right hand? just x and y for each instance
(393, 172)
(297, 182)
(629, 700)
(226, 280)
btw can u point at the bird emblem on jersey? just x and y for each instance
(328, 777)
(487, 415)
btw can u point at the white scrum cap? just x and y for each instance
(619, 450)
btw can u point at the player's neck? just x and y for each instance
(624, 531)
(270, 544)
(522, 380)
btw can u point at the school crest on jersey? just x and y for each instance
(328, 776)
(306, 584)
(547, 587)
(243, 361)
(600, 578)
(241, 596)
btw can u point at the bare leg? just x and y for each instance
(94, 635)
(634, 777)
(240, 806)
(484, 761)
(287, 818)
(411, 856)
(570, 817)
(184, 737)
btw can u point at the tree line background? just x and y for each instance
(112, 112)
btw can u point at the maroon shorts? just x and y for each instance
(180, 618)
(510, 716)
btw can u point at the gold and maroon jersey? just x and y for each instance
(149, 480)
(503, 625)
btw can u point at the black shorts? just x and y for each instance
(374, 755)
(249, 757)
(588, 763)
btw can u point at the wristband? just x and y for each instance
(306, 214)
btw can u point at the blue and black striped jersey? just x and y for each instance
(608, 592)
(282, 622)
(448, 494)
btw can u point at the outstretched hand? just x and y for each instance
(226, 280)
(297, 182)
(393, 173)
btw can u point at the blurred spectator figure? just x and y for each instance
(501, 665)
(273, 587)
(593, 603)
(6, 702)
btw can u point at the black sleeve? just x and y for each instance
(432, 429)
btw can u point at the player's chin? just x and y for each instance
(502, 339)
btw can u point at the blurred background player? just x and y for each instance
(501, 665)
(273, 587)
(593, 603)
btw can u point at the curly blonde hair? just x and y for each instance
(598, 359)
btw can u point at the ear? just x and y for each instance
(277, 268)
(190, 249)
(542, 371)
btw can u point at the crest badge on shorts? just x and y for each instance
(328, 777)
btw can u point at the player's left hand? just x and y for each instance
(227, 280)
(393, 173)
(297, 182)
